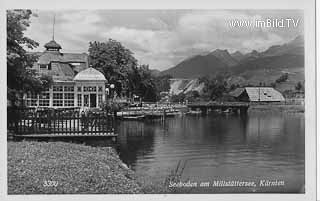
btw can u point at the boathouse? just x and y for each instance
(257, 94)
(75, 83)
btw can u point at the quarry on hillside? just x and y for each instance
(178, 86)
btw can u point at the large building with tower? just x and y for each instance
(75, 84)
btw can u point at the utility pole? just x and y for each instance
(259, 90)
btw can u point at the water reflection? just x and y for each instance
(219, 147)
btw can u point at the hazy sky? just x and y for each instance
(162, 38)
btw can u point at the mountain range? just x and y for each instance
(251, 68)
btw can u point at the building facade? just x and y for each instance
(75, 84)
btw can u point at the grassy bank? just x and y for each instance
(59, 167)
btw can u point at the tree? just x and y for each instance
(142, 83)
(120, 67)
(192, 96)
(178, 98)
(299, 86)
(20, 78)
(215, 87)
(234, 86)
(163, 82)
(282, 78)
(114, 60)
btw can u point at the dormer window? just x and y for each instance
(43, 66)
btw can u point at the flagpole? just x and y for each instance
(54, 21)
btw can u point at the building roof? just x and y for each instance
(63, 66)
(66, 70)
(52, 45)
(49, 56)
(89, 74)
(267, 94)
(74, 57)
(60, 72)
(53, 53)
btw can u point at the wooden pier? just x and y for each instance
(239, 107)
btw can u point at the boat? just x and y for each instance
(133, 118)
(227, 111)
(171, 114)
(193, 112)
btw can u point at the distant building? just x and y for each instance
(257, 94)
(75, 84)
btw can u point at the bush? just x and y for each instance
(192, 96)
(178, 98)
(110, 106)
(299, 86)
(282, 78)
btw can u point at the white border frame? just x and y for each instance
(310, 79)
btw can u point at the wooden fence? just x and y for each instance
(60, 123)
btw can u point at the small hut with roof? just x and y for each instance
(75, 83)
(257, 94)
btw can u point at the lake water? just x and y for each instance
(219, 147)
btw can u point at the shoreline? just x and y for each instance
(37, 167)
(278, 108)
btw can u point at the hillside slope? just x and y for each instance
(196, 66)
(225, 57)
(251, 68)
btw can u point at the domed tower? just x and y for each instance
(53, 46)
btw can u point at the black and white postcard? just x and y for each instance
(195, 100)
